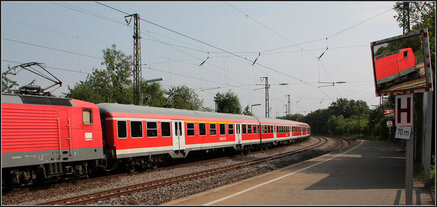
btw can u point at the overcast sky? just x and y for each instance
(68, 37)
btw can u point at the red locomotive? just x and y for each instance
(47, 137)
(395, 67)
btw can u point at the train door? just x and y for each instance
(179, 135)
(275, 131)
(238, 137)
(64, 134)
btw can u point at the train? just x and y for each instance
(50, 138)
(395, 67)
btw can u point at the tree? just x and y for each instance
(422, 15)
(110, 85)
(246, 111)
(293, 117)
(153, 94)
(182, 97)
(118, 67)
(227, 103)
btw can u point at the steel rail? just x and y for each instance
(103, 195)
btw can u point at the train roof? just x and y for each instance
(38, 100)
(283, 121)
(125, 108)
(129, 108)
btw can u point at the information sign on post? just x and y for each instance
(403, 132)
(389, 124)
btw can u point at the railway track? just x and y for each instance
(122, 191)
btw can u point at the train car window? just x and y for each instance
(264, 129)
(136, 129)
(249, 129)
(212, 129)
(222, 129)
(121, 129)
(254, 129)
(190, 129)
(230, 129)
(202, 129)
(405, 54)
(244, 128)
(165, 129)
(270, 129)
(87, 117)
(152, 130)
(238, 128)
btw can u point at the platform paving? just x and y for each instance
(368, 173)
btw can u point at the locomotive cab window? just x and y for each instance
(190, 129)
(87, 117)
(136, 129)
(165, 129)
(121, 130)
(405, 54)
(152, 130)
(202, 129)
(222, 129)
(212, 129)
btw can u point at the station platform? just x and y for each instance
(367, 173)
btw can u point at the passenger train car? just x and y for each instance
(47, 137)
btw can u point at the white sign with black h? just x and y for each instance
(404, 110)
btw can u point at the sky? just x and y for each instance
(285, 38)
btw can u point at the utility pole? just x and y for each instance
(267, 86)
(289, 106)
(406, 17)
(409, 145)
(136, 63)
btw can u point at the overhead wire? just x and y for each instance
(205, 43)
(50, 48)
(106, 18)
(348, 28)
(181, 35)
(75, 8)
(56, 68)
(294, 44)
(197, 40)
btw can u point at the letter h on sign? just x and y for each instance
(404, 110)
